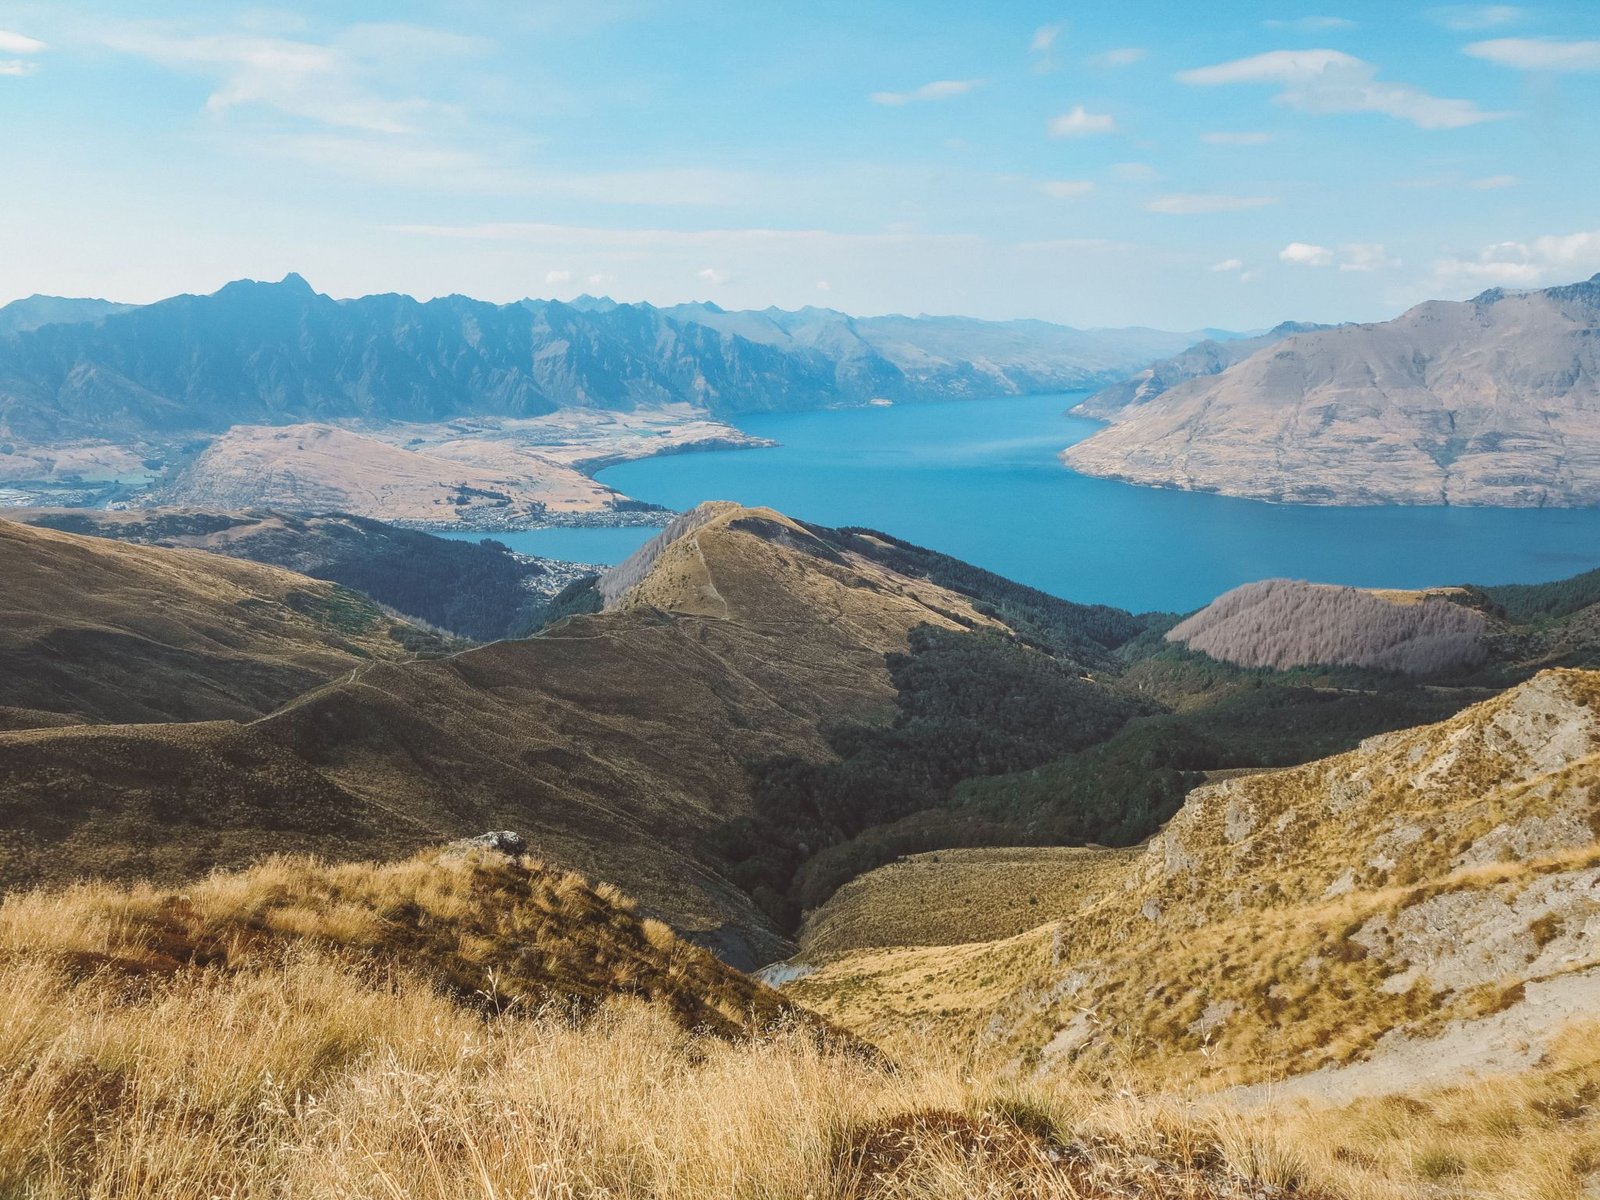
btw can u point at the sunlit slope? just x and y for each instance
(1297, 919)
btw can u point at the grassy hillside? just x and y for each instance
(97, 631)
(476, 590)
(1284, 922)
(475, 1027)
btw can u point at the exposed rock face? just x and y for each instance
(1210, 357)
(1491, 401)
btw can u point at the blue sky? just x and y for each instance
(1090, 163)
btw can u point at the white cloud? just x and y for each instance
(1236, 139)
(1490, 183)
(939, 89)
(1539, 54)
(1366, 256)
(1464, 18)
(1193, 203)
(554, 277)
(1135, 172)
(1125, 56)
(823, 285)
(1044, 38)
(16, 43)
(1082, 123)
(16, 66)
(1554, 258)
(339, 83)
(600, 279)
(1304, 254)
(1228, 265)
(713, 276)
(1067, 189)
(1330, 81)
(1312, 24)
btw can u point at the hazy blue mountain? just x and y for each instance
(29, 313)
(275, 353)
(1210, 357)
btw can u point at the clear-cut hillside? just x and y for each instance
(1490, 401)
(1283, 623)
(1426, 904)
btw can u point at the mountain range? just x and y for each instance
(1489, 401)
(279, 353)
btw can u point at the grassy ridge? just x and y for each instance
(333, 1069)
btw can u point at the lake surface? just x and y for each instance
(979, 479)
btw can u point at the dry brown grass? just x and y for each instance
(306, 1031)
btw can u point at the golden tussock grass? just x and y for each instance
(308, 1031)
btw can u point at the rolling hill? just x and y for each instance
(477, 590)
(1490, 401)
(95, 631)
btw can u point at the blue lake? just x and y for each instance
(979, 479)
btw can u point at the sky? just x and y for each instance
(1157, 162)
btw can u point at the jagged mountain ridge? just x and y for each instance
(269, 354)
(1489, 401)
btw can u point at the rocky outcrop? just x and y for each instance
(1491, 401)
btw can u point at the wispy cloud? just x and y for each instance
(1330, 81)
(420, 163)
(1133, 172)
(1250, 138)
(1067, 189)
(1554, 258)
(1079, 122)
(939, 89)
(1366, 256)
(339, 83)
(1304, 254)
(1311, 24)
(1539, 54)
(1124, 56)
(712, 275)
(17, 43)
(1196, 203)
(1044, 38)
(1467, 18)
(1491, 183)
(1228, 265)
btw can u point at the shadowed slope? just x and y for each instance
(107, 632)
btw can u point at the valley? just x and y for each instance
(1059, 842)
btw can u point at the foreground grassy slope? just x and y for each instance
(96, 631)
(474, 1027)
(1289, 921)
